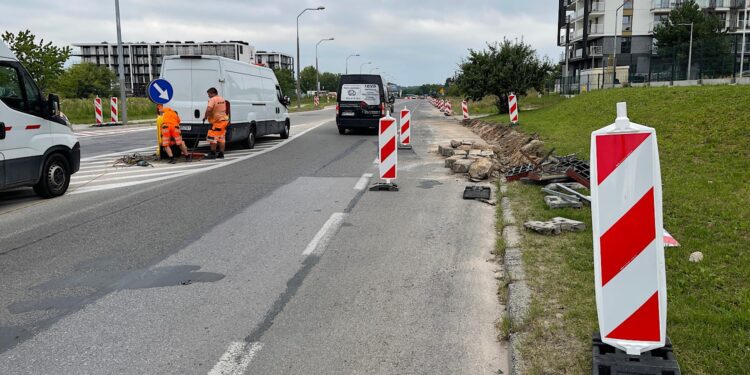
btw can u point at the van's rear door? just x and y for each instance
(360, 100)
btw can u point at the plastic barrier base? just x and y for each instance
(608, 360)
(383, 186)
(404, 147)
(477, 192)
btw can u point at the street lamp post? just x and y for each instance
(317, 71)
(347, 62)
(299, 96)
(363, 64)
(121, 66)
(690, 51)
(614, 60)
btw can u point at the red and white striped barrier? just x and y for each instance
(513, 108)
(114, 116)
(316, 100)
(631, 285)
(465, 109)
(405, 124)
(387, 153)
(98, 110)
(448, 108)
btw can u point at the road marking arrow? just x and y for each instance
(162, 93)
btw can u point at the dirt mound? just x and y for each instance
(508, 143)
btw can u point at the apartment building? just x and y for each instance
(599, 34)
(275, 60)
(143, 60)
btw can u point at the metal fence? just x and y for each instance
(708, 61)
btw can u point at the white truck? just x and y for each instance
(256, 104)
(37, 146)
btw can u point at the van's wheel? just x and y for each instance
(249, 142)
(285, 133)
(342, 131)
(55, 177)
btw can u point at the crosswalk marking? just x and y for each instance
(101, 172)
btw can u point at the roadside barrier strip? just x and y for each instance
(405, 126)
(114, 117)
(98, 110)
(631, 287)
(387, 148)
(513, 108)
(98, 173)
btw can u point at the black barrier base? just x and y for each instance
(404, 147)
(477, 192)
(608, 360)
(384, 186)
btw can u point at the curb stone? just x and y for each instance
(519, 294)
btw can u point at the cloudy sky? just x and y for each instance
(414, 42)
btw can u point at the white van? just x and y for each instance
(37, 147)
(257, 107)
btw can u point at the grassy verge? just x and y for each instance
(81, 111)
(306, 104)
(704, 143)
(487, 105)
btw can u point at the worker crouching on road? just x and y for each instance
(169, 122)
(216, 114)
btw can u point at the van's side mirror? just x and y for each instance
(392, 99)
(287, 101)
(53, 105)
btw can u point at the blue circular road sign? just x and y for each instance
(160, 91)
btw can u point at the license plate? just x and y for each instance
(347, 113)
(186, 127)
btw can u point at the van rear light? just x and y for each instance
(363, 105)
(338, 109)
(382, 110)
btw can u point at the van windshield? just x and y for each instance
(361, 92)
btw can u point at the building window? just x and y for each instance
(627, 23)
(241, 50)
(628, 4)
(625, 45)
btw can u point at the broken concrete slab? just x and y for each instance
(455, 143)
(557, 202)
(569, 225)
(460, 153)
(462, 165)
(480, 169)
(533, 147)
(451, 160)
(475, 152)
(542, 227)
(569, 185)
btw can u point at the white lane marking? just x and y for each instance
(236, 359)
(363, 181)
(325, 233)
(97, 157)
(193, 171)
(93, 179)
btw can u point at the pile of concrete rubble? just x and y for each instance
(475, 159)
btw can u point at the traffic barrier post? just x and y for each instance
(405, 129)
(98, 110)
(513, 108)
(626, 206)
(113, 117)
(316, 101)
(448, 108)
(387, 154)
(465, 109)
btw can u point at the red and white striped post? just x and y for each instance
(316, 100)
(513, 108)
(448, 108)
(405, 129)
(98, 110)
(631, 284)
(465, 109)
(114, 116)
(387, 153)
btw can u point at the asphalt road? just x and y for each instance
(281, 263)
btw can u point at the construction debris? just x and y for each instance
(555, 226)
(557, 202)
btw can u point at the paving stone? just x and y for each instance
(557, 202)
(462, 165)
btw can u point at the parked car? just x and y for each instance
(362, 100)
(37, 146)
(256, 104)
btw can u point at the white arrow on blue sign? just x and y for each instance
(160, 91)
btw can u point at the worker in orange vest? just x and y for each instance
(170, 132)
(216, 114)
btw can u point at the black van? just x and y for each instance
(362, 100)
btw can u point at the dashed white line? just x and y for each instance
(324, 235)
(236, 359)
(363, 181)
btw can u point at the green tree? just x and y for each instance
(710, 44)
(86, 80)
(501, 69)
(286, 81)
(44, 61)
(308, 79)
(329, 81)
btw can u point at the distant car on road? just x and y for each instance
(362, 100)
(37, 145)
(257, 105)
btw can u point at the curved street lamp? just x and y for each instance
(363, 64)
(298, 72)
(347, 62)
(317, 71)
